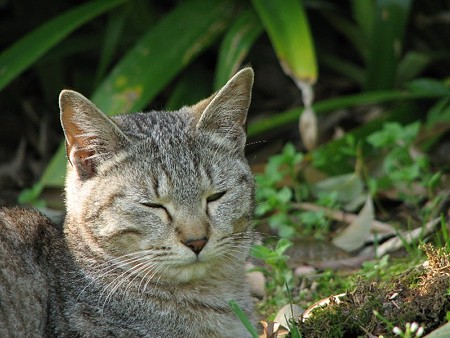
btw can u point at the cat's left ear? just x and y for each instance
(225, 113)
(91, 136)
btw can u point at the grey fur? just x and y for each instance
(140, 189)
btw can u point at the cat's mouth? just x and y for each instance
(189, 272)
(197, 260)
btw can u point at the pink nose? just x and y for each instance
(196, 245)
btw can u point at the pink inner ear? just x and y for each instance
(76, 146)
(83, 162)
(75, 141)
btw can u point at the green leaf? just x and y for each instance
(287, 25)
(262, 252)
(56, 169)
(153, 62)
(386, 42)
(363, 13)
(394, 135)
(427, 87)
(282, 245)
(410, 66)
(113, 33)
(31, 47)
(282, 224)
(439, 112)
(156, 59)
(31, 196)
(235, 46)
(284, 195)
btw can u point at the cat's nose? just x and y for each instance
(196, 245)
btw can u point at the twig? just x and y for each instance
(396, 243)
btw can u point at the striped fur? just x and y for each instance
(140, 189)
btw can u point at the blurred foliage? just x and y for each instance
(128, 55)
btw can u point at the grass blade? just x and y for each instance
(287, 26)
(243, 318)
(31, 47)
(235, 46)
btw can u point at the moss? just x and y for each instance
(417, 295)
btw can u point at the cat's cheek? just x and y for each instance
(125, 244)
(241, 224)
(225, 222)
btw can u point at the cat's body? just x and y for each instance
(158, 227)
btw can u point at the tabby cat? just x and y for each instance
(157, 229)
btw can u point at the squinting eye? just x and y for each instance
(215, 197)
(153, 205)
(156, 206)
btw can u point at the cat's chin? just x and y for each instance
(187, 273)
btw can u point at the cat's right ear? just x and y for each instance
(90, 135)
(223, 115)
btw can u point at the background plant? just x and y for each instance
(280, 276)
(115, 57)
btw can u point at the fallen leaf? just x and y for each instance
(348, 187)
(272, 330)
(287, 312)
(442, 332)
(356, 233)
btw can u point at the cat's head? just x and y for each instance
(166, 194)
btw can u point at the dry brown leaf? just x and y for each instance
(354, 236)
(272, 330)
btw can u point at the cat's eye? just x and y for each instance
(153, 205)
(158, 206)
(215, 197)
